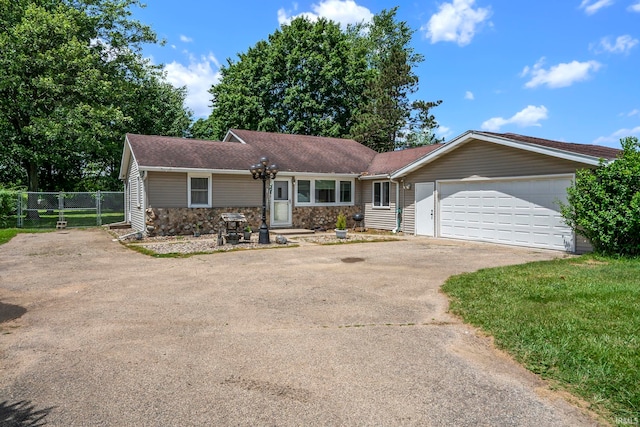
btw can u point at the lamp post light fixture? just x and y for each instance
(263, 171)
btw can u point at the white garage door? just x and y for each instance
(515, 212)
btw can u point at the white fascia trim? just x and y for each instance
(227, 137)
(124, 161)
(374, 177)
(511, 178)
(470, 135)
(320, 175)
(195, 170)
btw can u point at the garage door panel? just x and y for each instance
(518, 212)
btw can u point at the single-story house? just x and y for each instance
(484, 186)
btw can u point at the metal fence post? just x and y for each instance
(19, 210)
(61, 206)
(98, 209)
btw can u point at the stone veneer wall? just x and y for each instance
(182, 221)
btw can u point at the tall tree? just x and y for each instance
(71, 79)
(388, 117)
(304, 79)
(313, 78)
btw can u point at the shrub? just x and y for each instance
(8, 203)
(341, 222)
(604, 203)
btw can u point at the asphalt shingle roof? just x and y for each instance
(598, 151)
(302, 153)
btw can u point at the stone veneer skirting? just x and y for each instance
(182, 221)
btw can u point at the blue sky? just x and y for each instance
(567, 70)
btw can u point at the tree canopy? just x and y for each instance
(314, 78)
(72, 83)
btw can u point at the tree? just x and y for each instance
(603, 204)
(312, 78)
(72, 82)
(302, 80)
(387, 117)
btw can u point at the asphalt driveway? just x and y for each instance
(314, 335)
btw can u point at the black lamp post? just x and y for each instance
(263, 171)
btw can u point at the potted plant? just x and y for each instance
(341, 226)
(196, 230)
(247, 233)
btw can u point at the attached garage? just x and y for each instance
(499, 188)
(522, 212)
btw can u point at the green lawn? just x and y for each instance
(78, 218)
(574, 321)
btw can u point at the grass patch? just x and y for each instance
(573, 321)
(7, 234)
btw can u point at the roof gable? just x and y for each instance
(580, 153)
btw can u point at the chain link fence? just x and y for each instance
(86, 209)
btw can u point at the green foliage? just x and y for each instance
(341, 222)
(8, 206)
(73, 81)
(574, 321)
(604, 203)
(313, 78)
(386, 116)
(302, 80)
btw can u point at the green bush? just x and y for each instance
(341, 222)
(8, 205)
(604, 203)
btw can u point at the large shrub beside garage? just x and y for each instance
(603, 204)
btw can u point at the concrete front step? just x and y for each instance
(291, 231)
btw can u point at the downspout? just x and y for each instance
(398, 208)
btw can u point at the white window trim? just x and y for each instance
(209, 196)
(313, 180)
(373, 195)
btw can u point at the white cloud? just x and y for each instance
(617, 135)
(530, 116)
(343, 12)
(185, 39)
(198, 77)
(590, 6)
(634, 112)
(444, 132)
(455, 22)
(560, 75)
(469, 95)
(634, 7)
(623, 44)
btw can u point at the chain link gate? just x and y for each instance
(77, 209)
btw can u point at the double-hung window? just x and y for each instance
(324, 192)
(381, 194)
(199, 190)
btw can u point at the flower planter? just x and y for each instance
(341, 234)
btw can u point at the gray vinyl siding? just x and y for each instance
(483, 160)
(135, 195)
(378, 218)
(167, 189)
(236, 191)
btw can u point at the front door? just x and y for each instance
(281, 206)
(425, 205)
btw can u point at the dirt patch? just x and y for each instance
(10, 312)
